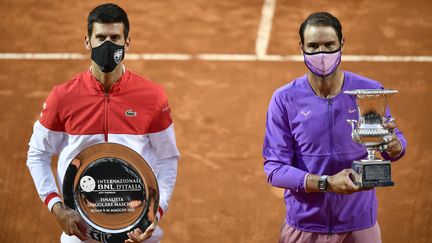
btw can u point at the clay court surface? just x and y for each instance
(218, 107)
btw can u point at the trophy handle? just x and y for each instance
(389, 137)
(352, 122)
(390, 119)
(354, 134)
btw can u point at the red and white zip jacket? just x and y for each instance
(79, 113)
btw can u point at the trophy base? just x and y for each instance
(372, 173)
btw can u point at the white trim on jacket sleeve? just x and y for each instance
(166, 180)
(167, 155)
(43, 144)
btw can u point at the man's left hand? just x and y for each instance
(137, 236)
(394, 147)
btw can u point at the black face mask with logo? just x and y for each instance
(107, 56)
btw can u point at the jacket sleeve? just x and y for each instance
(162, 139)
(278, 150)
(45, 142)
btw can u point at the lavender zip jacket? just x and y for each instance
(309, 134)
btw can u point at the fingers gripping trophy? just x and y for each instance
(370, 130)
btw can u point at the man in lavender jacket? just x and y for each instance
(308, 140)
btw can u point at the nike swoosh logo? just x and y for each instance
(351, 111)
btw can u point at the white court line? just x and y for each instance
(385, 58)
(80, 56)
(212, 57)
(37, 94)
(159, 56)
(227, 57)
(6, 92)
(265, 26)
(249, 57)
(43, 56)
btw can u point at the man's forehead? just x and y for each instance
(320, 33)
(108, 28)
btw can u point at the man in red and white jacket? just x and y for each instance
(107, 103)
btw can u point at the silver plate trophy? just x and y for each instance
(370, 131)
(113, 189)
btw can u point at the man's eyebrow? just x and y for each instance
(318, 42)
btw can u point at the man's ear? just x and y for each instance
(342, 42)
(87, 42)
(301, 47)
(127, 43)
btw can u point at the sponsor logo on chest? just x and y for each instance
(305, 113)
(351, 110)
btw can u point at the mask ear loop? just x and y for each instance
(91, 49)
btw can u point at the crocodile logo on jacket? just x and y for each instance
(130, 113)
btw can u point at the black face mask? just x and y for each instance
(107, 56)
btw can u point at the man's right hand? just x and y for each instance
(70, 221)
(342, 183)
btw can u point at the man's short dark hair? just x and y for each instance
(321, 19)
(107, 14)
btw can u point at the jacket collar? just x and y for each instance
(97, 86)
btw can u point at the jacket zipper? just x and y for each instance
(106, 109)
(331, 158)
(106, 102)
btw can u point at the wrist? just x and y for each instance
(57, 208)
(52, 199)
(330, 183)
(398, 151)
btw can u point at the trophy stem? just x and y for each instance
(371, 154)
